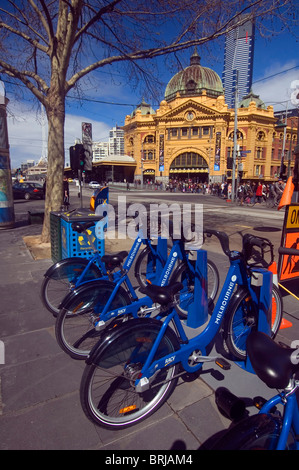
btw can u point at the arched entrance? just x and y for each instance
(189, 166)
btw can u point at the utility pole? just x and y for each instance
(235, 140)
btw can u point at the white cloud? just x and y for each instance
(28, 137)
(276, 90)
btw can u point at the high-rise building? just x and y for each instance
(116, 141)
(238, 62)
(100, 150)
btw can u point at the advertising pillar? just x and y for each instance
(7, 216)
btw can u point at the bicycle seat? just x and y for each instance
(272, 363)
(114, 260)
(162, 295)
(79, 227)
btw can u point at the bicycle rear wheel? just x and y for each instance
(74, 328)
(61, 280)
(107, 390)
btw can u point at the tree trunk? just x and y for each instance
(54, 185)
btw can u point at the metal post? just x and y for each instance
(80, 187)
(235, 140)
(296, 167)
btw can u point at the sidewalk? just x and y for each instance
(39, 403)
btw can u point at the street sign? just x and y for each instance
(243, 153)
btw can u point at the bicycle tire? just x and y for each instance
(145, 267)
(257, 432)
(242, 317)
(60, 280)
(74, 329)
(186, 277)
(107, 393)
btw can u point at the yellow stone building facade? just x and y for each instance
(191, 135)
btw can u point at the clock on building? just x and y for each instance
(190, 115)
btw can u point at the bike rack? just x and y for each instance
(261, 288)
(198, 316)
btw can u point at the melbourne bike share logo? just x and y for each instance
(163, 220)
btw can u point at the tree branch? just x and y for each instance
(22, 76)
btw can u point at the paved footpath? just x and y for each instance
(39, 403)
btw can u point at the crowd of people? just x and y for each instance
(256, 192)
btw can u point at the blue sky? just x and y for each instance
(276, 66)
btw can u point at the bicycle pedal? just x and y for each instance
(222, 363)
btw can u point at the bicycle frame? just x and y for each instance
(177, 252)
(236, 275)
(96, 258)
(290, 416)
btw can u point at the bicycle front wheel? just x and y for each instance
(107, 391)
(145, 267)
(258, 432)
(74, 328)
(61, 280)
(243, 317)
(186, 296)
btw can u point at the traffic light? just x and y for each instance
(77, 157)
(229, 164)
(81, 157)
(282, 170)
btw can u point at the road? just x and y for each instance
(217, 213)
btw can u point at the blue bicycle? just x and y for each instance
(99, 304)
(134, 367)
(276, 366)
(69, 273)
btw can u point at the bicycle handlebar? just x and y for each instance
(222, 237)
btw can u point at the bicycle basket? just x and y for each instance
(257, 251)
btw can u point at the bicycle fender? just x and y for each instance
(90, 286)
(113, 333)
(62, 262)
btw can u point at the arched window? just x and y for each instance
(261, 135)
(239, 135)
(189, 159)
(149, 139)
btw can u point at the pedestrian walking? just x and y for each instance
(258, 193)
(66, 193)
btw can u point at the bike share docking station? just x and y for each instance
(260, 291)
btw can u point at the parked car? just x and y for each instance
(94, 185)
(28, 190)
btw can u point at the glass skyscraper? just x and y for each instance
(238, 62)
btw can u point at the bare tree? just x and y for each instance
(50, 45)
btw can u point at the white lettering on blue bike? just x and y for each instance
(225, 300)
(132, 256)
(169, 269)
(169, 360)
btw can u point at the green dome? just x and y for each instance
(193, 80)
(252, 97)
(144, 108)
